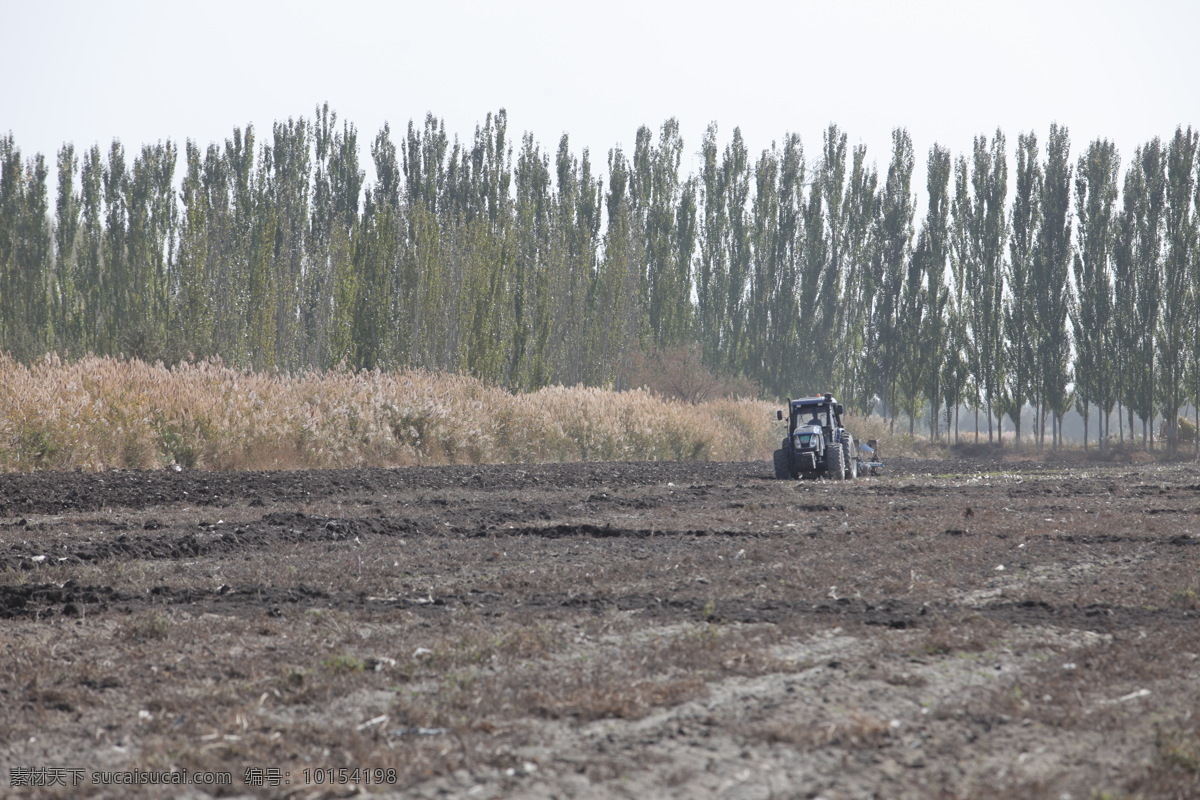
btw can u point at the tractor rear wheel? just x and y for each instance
(835, 463)
(782, 471)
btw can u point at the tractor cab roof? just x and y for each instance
(821, 400)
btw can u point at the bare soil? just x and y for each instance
(975, 628)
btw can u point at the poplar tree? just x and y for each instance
(911, 320)
(655, 191)
(576, 206)
(933, 246)
(1125, 364)
(860, 283)
(985, 231)
(1195, 312)
(289, 188)
(12, 183)
(1196, 315)
(829, 257)
(712, 264)
(32, 331)
(91, 257)
(136, 332)
(260, 269)
(830, 297)
(231, 176)
(152, 218)
(813, 315)
(618, 284)
(1145, 202)
(1052, 264)
(191, 329)
(736, 182)
(350, 294)
(1092, 304)
(485, 240)
(679, 326)
(1020, 305)
(376, 319)
(531, 282)
(587, 213)
(895, 230)
(783, 353)
(923, 322)
(1177, 321)
(421, 277)
(26, 266)
(113, 296)
(765, 272)
(68, 321)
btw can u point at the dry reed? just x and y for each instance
(106, 413)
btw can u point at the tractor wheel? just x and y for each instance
(851, 462)
(835, 463)
(782, 471)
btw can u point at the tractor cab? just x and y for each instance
(821, 411)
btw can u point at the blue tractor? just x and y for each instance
(818, 445)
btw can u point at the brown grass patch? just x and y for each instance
(101, 413)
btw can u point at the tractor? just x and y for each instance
(818, 444)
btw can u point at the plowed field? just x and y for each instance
(955, 629)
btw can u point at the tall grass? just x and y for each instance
(104, 413)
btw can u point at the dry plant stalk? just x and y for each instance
(107, 413)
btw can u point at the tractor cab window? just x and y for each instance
(813, 417)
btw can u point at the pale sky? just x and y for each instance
(146, 70)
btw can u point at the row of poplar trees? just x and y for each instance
(1072, 284)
